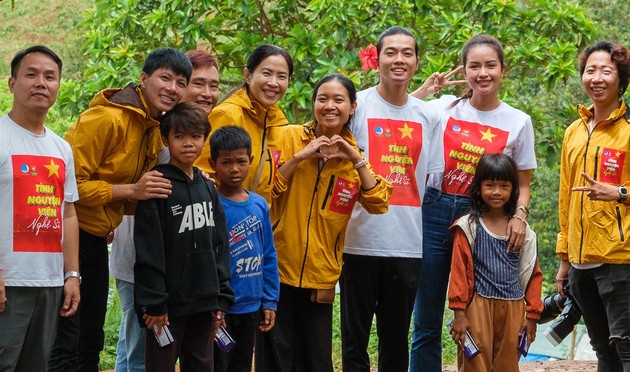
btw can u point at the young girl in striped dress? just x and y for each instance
(493, 291)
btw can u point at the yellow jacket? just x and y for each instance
(310, 211)
(594, 231)
(239, 110)
(114, 142)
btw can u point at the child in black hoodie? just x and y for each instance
(182, 270)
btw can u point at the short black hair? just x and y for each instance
(395, 30)
(19, 56)
(185, 117)
(619, 55)
(168, 58)
(229, 137)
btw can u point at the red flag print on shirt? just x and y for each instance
(464, 143)
(395, 147)
(38, 193)
(611, 166)
(344, 196)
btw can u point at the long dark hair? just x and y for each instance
(494, 167)
(347, 83)
(473, 42)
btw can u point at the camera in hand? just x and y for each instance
(566, 311)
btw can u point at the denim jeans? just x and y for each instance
(439, 211)
(603, 296)
(131, 337)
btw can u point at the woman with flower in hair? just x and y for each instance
(474, 124)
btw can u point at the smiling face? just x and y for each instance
(483, 70)
(332, 108)
(600, 79)
(203, 88)
(35, 85)
(269, 81)
(163, 89)
(495, 193)
(397, 61)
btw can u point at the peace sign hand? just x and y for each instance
(438, 81)
(598, 191)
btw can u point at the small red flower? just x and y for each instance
(369, 57)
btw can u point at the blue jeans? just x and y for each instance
(439, 211)
(603, 295)
(132, 337)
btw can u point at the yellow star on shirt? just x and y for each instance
(52, 168)
(487, 135)
(406, 131)
(351, 185)
(617, 154)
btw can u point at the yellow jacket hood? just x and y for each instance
(114, 142)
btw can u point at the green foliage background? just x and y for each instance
(103, 44)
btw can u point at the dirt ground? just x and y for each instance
(554, 366)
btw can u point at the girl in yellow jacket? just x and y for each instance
(321, 175)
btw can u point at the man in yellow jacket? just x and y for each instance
(115, 143)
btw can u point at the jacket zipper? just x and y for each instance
(337, 248)
(331, 183)
(588, 140)
(308, 223)
(619, 224)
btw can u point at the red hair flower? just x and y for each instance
(369, 57)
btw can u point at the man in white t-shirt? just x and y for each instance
(39, 231)
(382, 255)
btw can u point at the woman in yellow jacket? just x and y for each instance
(321, 175)
(254, 107)
(593, 206)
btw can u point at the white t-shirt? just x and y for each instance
(36, 177)
(403, 144)
(123, 253)
(469, 133)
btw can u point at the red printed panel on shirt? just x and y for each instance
(344, 196)
(395, 147)
(38, 193)
(275, 157)
(464, 143)
(611, 166)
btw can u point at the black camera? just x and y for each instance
(566, 311)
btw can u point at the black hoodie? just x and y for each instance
(182, 249)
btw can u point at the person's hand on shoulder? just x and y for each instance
(152, 185)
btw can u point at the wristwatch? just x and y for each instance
(623, 194)
(72, 274)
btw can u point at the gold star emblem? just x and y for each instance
(617, 154)
(487, 135)
(406, 131)
(351, 185)
(52, 168)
